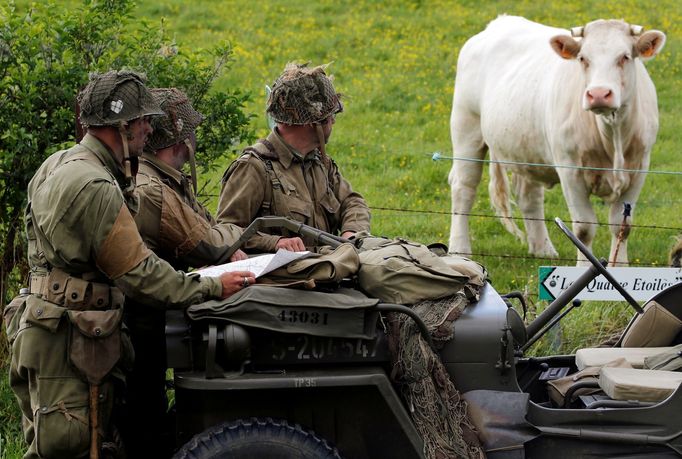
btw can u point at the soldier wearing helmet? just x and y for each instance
(86, 254)
(289, 173)
(171, 220)
(180, 230)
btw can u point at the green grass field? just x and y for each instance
(395, 62)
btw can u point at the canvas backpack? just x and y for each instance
(404, 272)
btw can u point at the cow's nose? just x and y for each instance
(600, 98)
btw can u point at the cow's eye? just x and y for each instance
(583, 61)
(624, 59)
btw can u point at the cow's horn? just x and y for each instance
(636, 29)
(577, 31)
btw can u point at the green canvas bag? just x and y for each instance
(405, 272)
(670, 360)
(327, 268)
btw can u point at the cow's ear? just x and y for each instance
(649, 44)
(565, 46)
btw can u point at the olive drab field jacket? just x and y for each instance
(85, 254)
(271, 178)
(171, 220)
(78, 221)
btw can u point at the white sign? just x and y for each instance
(641, 283)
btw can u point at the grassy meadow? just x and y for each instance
(395, 62)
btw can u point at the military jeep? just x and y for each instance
(245, 391)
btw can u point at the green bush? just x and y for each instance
(45, 57)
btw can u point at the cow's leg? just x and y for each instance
(531, 198)
(579, 206)
(467, 142)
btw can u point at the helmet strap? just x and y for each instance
(320, 138)
(130, 164)
(192, 165)
(127, 168)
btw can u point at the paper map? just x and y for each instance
(258, 265)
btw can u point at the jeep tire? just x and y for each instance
(257, 437)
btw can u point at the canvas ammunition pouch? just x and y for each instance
(404, 272)
(329, 267)
(96, 343)
(95, 313)
(76, 293)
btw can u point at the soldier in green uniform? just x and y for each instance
(180, 230)
(85, 254)
(289, 173)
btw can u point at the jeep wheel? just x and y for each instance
(256, 437)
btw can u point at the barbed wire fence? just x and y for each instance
(509, 165)
(438, 156)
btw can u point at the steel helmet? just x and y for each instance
(303, 95)
(179, 119)
(114, 97)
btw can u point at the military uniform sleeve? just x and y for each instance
(241, 199)
(154, 282)
(148, 217)
(189, 236)
(354, 213)
(119, 252)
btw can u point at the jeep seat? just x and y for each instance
(647, 334)
(638, 384)
(599, 356)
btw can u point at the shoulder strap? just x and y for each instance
(264, 151)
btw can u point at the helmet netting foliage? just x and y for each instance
(303, 95)
(180, 119)
(115, 96)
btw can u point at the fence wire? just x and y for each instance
(546, 220)
(549, 260)
(437, 156)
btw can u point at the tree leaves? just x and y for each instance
(45, 57)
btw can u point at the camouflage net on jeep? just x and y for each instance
(436, 406)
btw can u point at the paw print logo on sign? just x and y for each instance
(116, 106)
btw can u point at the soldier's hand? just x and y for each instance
(348, 234)
(293, 244)
(238, 255)
(236, 281)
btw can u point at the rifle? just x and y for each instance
(320, 237)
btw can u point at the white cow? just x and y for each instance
(531, 93)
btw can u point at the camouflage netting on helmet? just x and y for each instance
(115, 96)
(303, 95)
(437, 408)
(179, 121)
